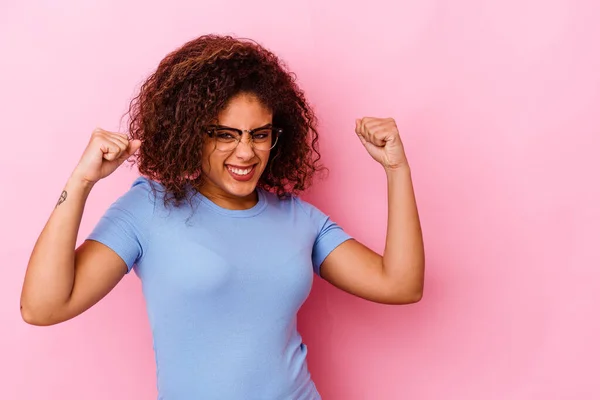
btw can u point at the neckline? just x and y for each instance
(249, 212)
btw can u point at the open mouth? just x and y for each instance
(241, 173)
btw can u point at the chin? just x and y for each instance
(237, 190)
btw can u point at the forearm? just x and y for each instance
(403, 259)
(50, 271)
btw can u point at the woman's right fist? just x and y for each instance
(103, 155)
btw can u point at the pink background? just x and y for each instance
(498, 104)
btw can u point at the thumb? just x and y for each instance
(358, 132)
(134, 145)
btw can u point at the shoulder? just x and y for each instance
(141, 199)
(141, 188)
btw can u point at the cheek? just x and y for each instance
(211, 158)
(264, 158)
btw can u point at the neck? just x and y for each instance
(228, 201)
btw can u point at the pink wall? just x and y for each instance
(498, 103)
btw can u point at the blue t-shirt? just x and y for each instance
(222, 289)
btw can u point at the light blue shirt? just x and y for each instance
(222, 289)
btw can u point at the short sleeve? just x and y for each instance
(329, 235)
(121, 228)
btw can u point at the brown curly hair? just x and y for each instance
(186, 93)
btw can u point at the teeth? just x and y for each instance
(238, 171)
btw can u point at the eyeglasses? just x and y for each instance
(227, 139)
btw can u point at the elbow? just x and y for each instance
(35, 318)
(411, 297)
(407, 287)
(407, 294)
(29, 317)
(415, 296)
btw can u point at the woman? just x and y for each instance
(214, 229)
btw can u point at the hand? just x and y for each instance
(381, 138)
(103, 155)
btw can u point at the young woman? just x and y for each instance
(224, 141)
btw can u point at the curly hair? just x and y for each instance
(186, 93)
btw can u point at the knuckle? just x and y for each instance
(120, 136)
(99, 140)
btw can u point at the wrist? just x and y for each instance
(398, 176)
(78, 183)
(400, 169)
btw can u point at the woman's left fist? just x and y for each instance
(381, 138)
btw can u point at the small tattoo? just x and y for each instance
(63, 197)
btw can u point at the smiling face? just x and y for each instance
(231, 177)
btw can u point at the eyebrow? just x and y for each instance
(235, 129)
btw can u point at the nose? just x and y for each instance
(244, 150)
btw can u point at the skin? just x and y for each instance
(244, 112)
(62, 281)
(397, 277)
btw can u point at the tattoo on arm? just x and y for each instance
(62, 199)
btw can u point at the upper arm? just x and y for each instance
(343, 261)
(358, 270)
(116, 243)
(353, 267)
(98, 269)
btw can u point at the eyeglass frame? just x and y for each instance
(212, 129)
